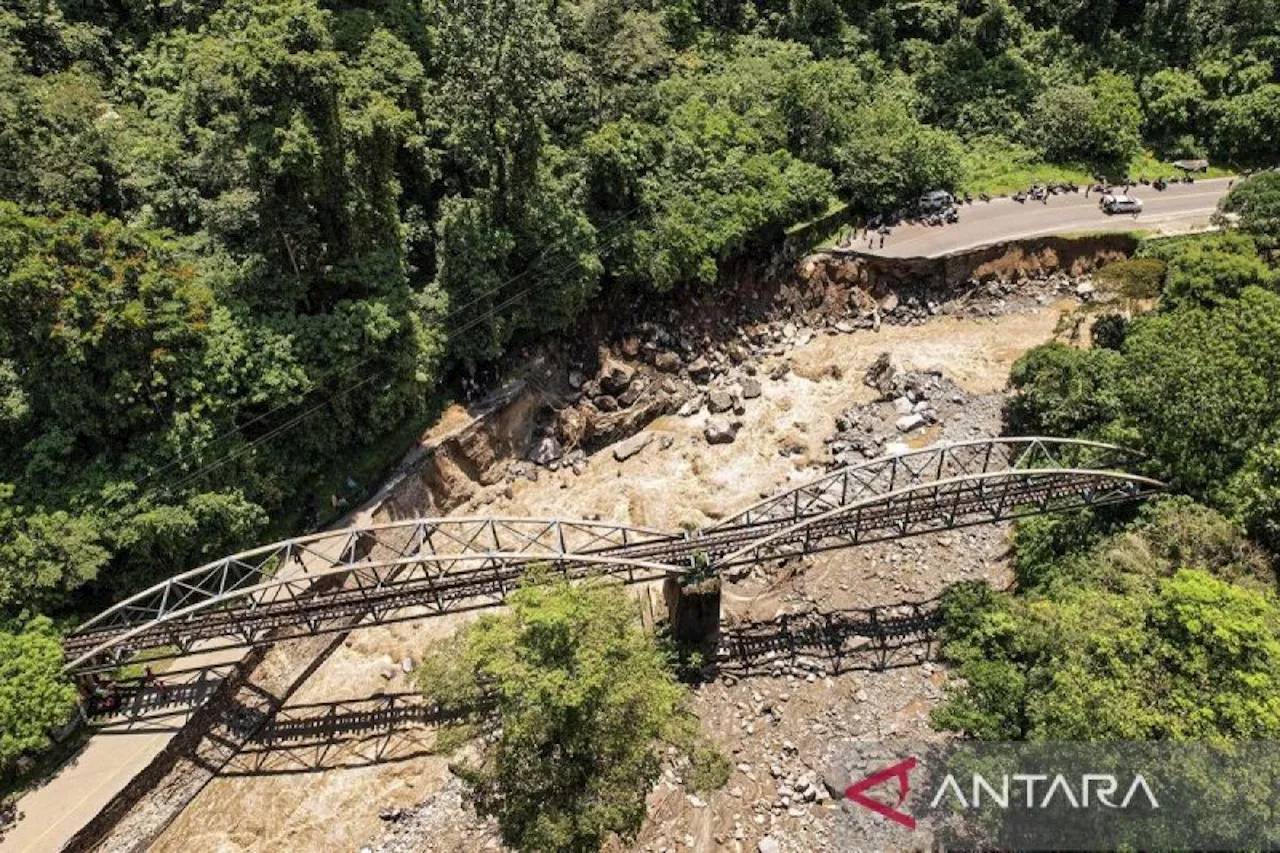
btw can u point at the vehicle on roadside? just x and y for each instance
(936, 201)
(1120, 204)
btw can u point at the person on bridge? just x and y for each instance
(149, 680)
(104, 695)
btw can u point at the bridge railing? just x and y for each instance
(332, 580)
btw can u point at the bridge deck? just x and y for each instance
(407, 570)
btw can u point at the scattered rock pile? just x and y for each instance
(440, 815)
(909, 401)
(689, 363)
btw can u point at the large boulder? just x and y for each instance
(624, 450)
(613, 427)
(629, 396)
(667, 362)
(719, 400)
(750, 388)
(907, 423)
(881, 374)
(615, 377)
(720, 431)
(546, 450)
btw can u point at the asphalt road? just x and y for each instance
(1181, 206)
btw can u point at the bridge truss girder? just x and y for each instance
(246, 594)
(944, 505)
(404, 570)
(882, 475)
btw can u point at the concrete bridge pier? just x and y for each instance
(694, 612)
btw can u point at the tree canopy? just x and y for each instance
(1253, 206)
(574, 696)
(1169, 629)
(34, 697)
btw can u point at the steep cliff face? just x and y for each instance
(1009, 261)
(448, 469)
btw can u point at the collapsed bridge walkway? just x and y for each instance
(415, 568)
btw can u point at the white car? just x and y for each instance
(1120, 204)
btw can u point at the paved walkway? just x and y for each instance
(121, 747)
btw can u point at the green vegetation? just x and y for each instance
(1166, 626)
(1134, 278)
(33, 695)
(573, 696)
(1168, 629)
(1254, 205)
(1194, 382)
(242, 244)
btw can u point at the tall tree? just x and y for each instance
(574, 696)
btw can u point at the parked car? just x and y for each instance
(936, 201)
(1120, 204)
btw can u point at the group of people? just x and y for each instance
(1103, 186)
(875, 227)
(1041, 192)
(106, 694)
(881, 225)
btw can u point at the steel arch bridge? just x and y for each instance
(336, 580)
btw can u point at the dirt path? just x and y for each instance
(326, 793)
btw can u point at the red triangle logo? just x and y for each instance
(897, 771)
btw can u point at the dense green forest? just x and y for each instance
(241, 239)
(1163, 626)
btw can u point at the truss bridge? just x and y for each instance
(338, 580)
